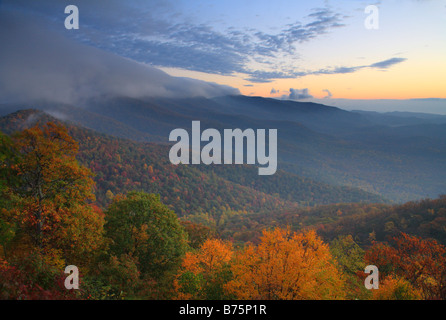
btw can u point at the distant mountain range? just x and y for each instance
(207, 194)
(396, 156)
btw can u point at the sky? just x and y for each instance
(300, 50)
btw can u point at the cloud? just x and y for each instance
(274, 91)
(338, 70)
(387, 63)
(299, 94)
(201, 48)
(158, 33)
(329, 95)
(260, 76)
(37, 63)
(265, 76)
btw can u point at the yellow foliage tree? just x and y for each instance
(396, 288)
(204, 272)
(54, 198)
(286, 266)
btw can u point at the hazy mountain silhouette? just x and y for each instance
(397, 155)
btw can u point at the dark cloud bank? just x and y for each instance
(37, 63)
(159, 34)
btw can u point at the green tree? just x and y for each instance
(350, 258)
(7, 226)
(7, 156)
(143, 227)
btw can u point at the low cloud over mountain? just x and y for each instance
(37, 63)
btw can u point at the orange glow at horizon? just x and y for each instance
(401, 83)
(426, 79)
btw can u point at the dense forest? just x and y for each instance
(69, 196)
(205, 155)
(397, 157)
(218, 191)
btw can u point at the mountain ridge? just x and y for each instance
(203, 193)
(322, 143)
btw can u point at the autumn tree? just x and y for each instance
(396, 288)
(350, 259)
(286, 266)
(33, 279)
(422, 262)
(7, 158)
(115, 278)
(7, 179)
(204, 272)
(54, 195)
(142, 227)
(197, 233)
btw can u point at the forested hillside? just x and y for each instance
(202, 193)
(132, 245)
(365, 222)
(212, 156)
(399, 157)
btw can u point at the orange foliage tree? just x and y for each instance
(396, 288)
(286, 266)
(422, 262)
(204, 272)
(54, 195)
